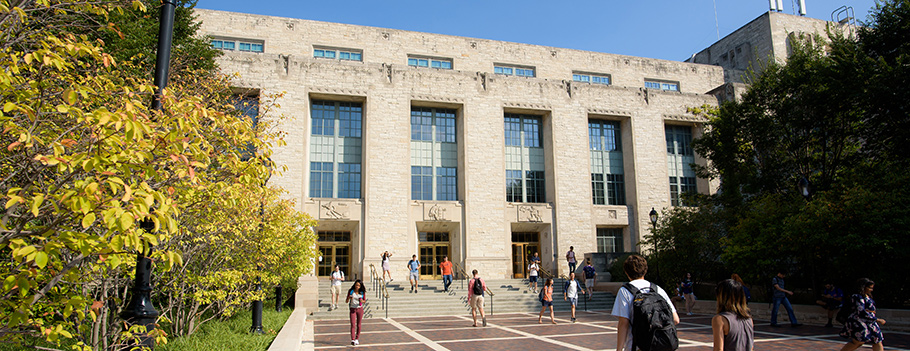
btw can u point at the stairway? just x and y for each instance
(510, 296)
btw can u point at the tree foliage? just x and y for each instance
(835, 114)
(83, 160)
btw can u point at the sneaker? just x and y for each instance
(573, 320)
(689, 314)
(484, 321)
(353, 343)
(356, 341)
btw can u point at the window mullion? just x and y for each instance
(336, 153)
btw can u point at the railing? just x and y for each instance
(464, 276)
(546, 274)
(382, 292)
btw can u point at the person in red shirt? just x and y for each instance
(446, 268)
(476, 290)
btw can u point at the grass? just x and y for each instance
(232, 334)
(215, 335)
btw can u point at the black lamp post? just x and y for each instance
(140, 310)
(653, 216)
(804, 188)
(256, 328)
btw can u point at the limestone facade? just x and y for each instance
(480, 221)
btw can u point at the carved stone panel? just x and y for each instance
(528, 213)
(334, 210)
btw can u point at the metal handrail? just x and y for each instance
(382, 291)
(464, 273)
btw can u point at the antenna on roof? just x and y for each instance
(773, 4)
(776, 5)
(802, 7)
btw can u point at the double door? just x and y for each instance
(521, 258)
(430, 256)
(334, 254)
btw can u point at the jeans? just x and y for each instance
(356, 319)
(446, 281)
(572, 266)
(776, 304)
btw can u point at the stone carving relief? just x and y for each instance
(333, 211)
(529, 214)
(612, 214)
(436, 213)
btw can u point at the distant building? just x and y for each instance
(753, 46)
(482, 150)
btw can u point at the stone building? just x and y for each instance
(767, 38)
(481, 150)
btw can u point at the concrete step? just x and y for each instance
(510, 296)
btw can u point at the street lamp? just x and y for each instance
(256, 328)
(804, 187)
(140, 311)
(653, 215)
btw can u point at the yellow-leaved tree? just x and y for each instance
(83, 160)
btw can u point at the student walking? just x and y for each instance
(570, 258)
(355, 300)
(746, 290)
(476, 290)
(337, 278)
(570, 293)
(590, 278)
(414, 272)
(635, 268)
(688, 293)
(862, 327)
(533, 274)
(779, 297)
(387, 265)
(446, 269)
(732, 326)
(547, 301)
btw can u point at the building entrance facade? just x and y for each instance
(524, 245)
(335, 247)
(432, 247)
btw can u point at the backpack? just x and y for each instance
(589, 272)
(540, 294)
(652, 321)
(478, 287)
(845, 312)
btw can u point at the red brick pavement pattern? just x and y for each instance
(496, 345)
(594, 331)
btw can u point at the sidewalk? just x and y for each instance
(594, 331)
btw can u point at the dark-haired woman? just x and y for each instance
(688, 294)
(732, 325)
(862, 327)
(547, 301)
(356, 299)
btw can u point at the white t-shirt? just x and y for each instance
(572, 289)
(622, 306)
(337, 277)
(532, 269)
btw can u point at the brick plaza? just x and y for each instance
(595, 330)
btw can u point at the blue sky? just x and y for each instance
(664, 29)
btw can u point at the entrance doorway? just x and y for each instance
(432, 247)
(336, 250)
(524, 245)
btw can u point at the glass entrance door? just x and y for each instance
(336, 249)
(524, 245)
(432, 248)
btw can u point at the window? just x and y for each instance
(607, 180)
(434, 154)
(662, 85)
(509, 70)
(595, 78)
(525, 173)
(680, 158)
(341, 54)
(247, 45)
(440, 63)
(609, 240)
(335, 149)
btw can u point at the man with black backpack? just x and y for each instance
(647, 318)
(476, 289)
